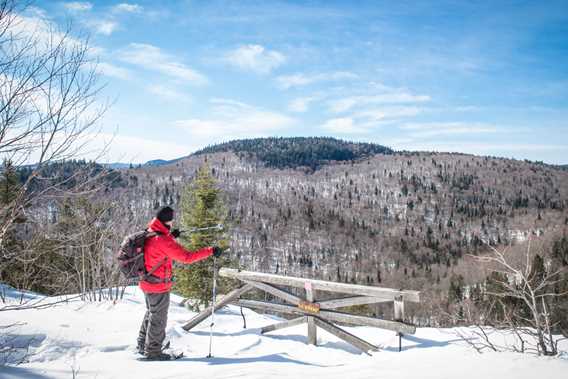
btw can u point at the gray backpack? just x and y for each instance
(131, 257)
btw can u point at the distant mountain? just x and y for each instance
(155, 162)
(161, 162)
(69, 174)
(116, 165)
(310, 152)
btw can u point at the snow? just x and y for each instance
(97, 340)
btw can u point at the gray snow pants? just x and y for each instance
(153, 328)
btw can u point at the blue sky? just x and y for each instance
(481, 77)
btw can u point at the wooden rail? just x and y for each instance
(313, 313)
(320, 285)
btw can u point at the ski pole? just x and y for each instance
(213, 306)
(195, 230)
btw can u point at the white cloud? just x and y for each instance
(390, 97)
(40, 29)
(234, 119)
(127, 8)
(168, 93)
(301, 104)
(78, 6)
(153, 58)
(114, 71)
(37, 12)
(104, 27)
(367, 120)
(421, 130)
(255, 58)
(388, 113)
(107, 24)
(297, 80)
(344, 125)
(122, 148)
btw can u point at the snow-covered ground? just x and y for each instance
(97, 340)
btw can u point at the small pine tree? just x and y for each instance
(9, 183)
(202, 206)
(455, 292)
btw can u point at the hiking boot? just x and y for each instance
(140, 350)
(158, 357)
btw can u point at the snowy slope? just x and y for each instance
(97, 340)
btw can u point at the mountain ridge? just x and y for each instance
(302, 152)
(296, 152)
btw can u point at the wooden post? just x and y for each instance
(399, 316)
(398, 309)
(312, 330)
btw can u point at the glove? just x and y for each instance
(217, 251)
(175, 233)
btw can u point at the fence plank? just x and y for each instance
(320, 285)
(350, 301)
(278, 292)
(332, 316)
(285, 324)
(362, 345)
(230, 297)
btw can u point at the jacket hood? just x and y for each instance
(157, 226)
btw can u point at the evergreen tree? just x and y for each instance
(538, 271)
(10, 244)
(455, 292)
(9, 183)
(560, 250)
(202, 206)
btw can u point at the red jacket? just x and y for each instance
(163, 249)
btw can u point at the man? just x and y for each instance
(159, 251)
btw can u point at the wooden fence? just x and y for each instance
(315, 313)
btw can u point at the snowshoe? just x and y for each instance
(140, 348)
(157, 357)
(161, 357)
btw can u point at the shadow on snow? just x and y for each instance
(421, 343)
(271, 358)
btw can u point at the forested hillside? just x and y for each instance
(402, 220)
(308, 152)
(396, 220)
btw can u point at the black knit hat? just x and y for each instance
(165, 214)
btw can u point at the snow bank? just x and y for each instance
(91, 339)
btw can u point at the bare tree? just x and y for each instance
(48, 103)
(522, 292)
(48, 113)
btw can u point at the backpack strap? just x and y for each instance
(156, 266)
(153, 234)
